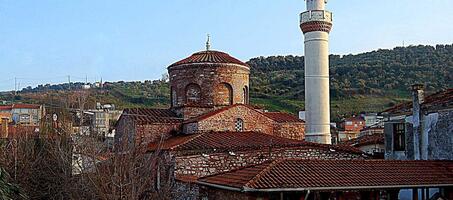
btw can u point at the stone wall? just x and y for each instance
(291, 130)
(439, 127)
(435, 141)
(204, 164)
(148, 133)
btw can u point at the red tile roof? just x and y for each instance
(6, 107)
(26, 106)
(209, 57)
(442, 99)
(358, 118)
(281, 117)
(300, 174)
(278, 117)
(151, 115)
(212, 113)
(366, 140)
(20, 106)
(226, 141)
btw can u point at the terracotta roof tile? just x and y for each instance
(442, 99)
(6, 107)
(26, 106)
(19, 106)
(151, 115)
(212, 113)
(281, 117)
(335, 174)
(276, 116)
(366, 140)
(222, 141)
(209, 57)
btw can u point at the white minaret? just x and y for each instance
(316, 24)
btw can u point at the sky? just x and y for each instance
(45, 41)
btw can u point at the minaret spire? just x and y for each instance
(316, 24)
(208, 43)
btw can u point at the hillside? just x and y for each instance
(367, 82)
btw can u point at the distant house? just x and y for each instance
(421, 129)
(372, 144)
(350, 128)
(20, 119)
(24, 114)
(371, 131)
(372, 119)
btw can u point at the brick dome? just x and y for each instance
(209, 56)
(207, 80)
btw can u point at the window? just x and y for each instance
(193, 93)
(224, 94)
(246, 95)
(399, 141)
(239, 125)
(173, 97)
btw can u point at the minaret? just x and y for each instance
(316, 24)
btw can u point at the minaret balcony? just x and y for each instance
(316, 16)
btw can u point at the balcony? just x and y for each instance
(316, 15)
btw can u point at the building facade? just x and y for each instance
(209, 92)
(421, 129)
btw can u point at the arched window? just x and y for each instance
(193, 93)
(246, 95)
(239, 125)
(224, 94)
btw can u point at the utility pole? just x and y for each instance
(69, 81)
(15, 86)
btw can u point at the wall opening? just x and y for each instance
(193, 93)
(246, 95)
(239, 125)
(224, 94)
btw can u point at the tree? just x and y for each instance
(9, 190)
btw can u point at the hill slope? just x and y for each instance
(367, 82)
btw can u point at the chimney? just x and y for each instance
(418, 93)
(417, 100)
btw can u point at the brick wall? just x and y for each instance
(210, 78)
(253, 121)
(203, 164)
(225, 121)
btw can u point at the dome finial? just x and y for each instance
(208, 44)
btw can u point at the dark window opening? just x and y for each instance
(399, 134)
(239, 125)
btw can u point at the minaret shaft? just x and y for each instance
(316, 24)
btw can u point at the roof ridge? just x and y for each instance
(217, 111)
(263, 172)
(237, 169)
(185, 142)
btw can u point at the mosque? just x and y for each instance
(211, 143)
